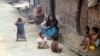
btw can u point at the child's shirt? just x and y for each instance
(42, 41)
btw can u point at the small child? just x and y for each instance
(54, 45)
(87, 40)
(20, 29)
(93, 40)
(87, 34)
(95, 35)
(42, 41)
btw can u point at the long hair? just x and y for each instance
(48, 22)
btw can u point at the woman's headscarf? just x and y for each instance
(38, 10)
(53, 22)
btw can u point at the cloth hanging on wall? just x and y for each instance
(92, 3)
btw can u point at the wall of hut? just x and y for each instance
(90, 16)
(66, 12)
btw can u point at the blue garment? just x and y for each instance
(53, 29)
(49, 32)
(20, 30)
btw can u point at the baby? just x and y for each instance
(42, 41)
(54, 45)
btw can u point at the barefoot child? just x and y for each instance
(42, 41)
(87, 34)
(92, 40)
(20, 29)
(54, 45)
(87, 40)
(95, 36)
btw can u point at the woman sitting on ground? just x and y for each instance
(39, 15)
(42, 41)
(50, 27)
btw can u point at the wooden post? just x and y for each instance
(78, 15)
(52, 6)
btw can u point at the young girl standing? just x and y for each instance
(20, 29)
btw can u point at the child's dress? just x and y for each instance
(20, 30)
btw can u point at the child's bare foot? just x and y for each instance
(39, 47)
(48, 46)
(84, 50)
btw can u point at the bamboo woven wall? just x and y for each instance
(94, 16)
(66, 11)
(89, 16)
